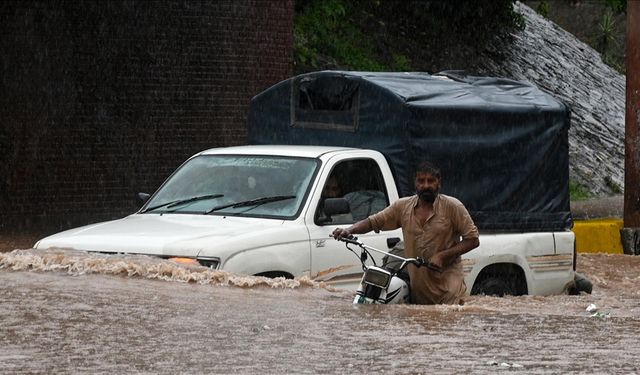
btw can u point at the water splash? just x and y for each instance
(78, 263)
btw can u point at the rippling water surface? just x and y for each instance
(65, 311)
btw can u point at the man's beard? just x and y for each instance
(428, 195)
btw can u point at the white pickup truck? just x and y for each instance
(502, 147)
(257, 210)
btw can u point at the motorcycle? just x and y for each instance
(385, 284)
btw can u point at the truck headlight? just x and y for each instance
(209, 262)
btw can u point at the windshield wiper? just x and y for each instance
(252, 202)
(183, 201)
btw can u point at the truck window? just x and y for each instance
(325, 103)
(236, 179)
(360, 182)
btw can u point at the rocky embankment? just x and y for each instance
(558, 62)
(597, 208)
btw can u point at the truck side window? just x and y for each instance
(360, 182)
(328, 102)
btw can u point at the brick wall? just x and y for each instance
(102, 99)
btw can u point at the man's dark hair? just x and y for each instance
(428, 167)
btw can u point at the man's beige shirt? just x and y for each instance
(449, 224)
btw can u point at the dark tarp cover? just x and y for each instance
(502, 145)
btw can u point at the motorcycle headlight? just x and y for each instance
(377, 277)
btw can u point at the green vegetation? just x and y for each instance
(606, 36)
(606, 41)
(578, 192)
(375, 35)
(543, 8)
(617, 6)
(615, 187)
(325, 30)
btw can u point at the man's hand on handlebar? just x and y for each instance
(361, 227)
(340, 233)
(436, 262)
(420, 262)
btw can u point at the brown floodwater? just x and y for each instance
(73, 312)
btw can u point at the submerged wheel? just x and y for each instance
(275, 274)
(493, 286)
(500, 279)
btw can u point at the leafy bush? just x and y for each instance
(324, 28)
(578, 192)
(543, 8)
(375, 35)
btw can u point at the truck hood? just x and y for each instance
(166, 235)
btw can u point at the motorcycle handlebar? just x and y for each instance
(418, 262)
(350, 239)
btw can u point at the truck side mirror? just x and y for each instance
(143, 197)
(336, 206)
(392, 242)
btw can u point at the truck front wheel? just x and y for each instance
(275, 274)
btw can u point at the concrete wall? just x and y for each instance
(598, 236)
(102, 99)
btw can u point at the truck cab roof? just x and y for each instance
(281, 150)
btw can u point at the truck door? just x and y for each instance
(362, 183)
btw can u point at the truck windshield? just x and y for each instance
(236, 185)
